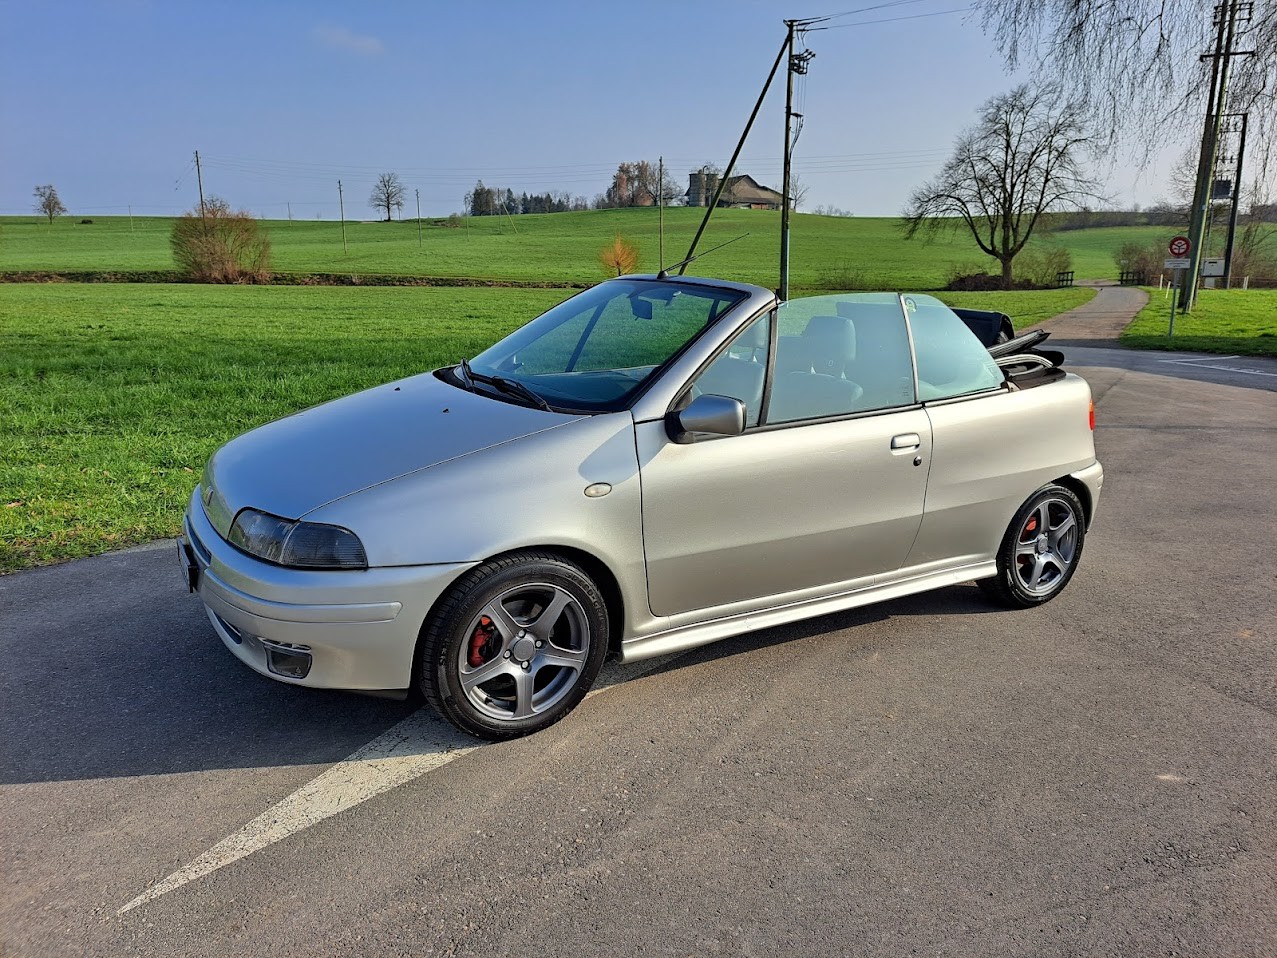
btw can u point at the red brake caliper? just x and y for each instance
(483, 642)
(1030, 528)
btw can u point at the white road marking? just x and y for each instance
(1203, 364)
(419, 744)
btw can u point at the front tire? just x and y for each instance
(1040, 550)
(514, 645)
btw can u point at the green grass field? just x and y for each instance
(1240, 322)
(112, 396)
(562, 248)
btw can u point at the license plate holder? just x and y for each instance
(189, 567)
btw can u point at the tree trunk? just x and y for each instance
(1007, 274)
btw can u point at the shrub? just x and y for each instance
(619, 255)
(221, 246)
(1143, 258)
(1038, 266)
(970, 274)
(1255, 253)
(975, 283)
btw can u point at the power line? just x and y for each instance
(876, 6)
(915, 16)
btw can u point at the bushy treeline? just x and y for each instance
(1162, 214)
(494, 201)
(633, 184)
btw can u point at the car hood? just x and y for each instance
(294, 465)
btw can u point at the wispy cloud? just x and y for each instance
(339, 38)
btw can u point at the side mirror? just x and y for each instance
(716, 415)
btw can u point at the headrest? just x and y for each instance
(877, 325)
(834, 336)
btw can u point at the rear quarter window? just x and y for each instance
(951, 360)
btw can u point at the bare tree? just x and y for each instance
(797, 192)
(47, 202)
(387, 193)
(1132, 64)
(1019, 161)
(635, 184)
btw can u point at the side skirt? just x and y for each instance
(702, 633)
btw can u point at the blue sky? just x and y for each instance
(108, 100)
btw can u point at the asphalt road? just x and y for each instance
(929, 776)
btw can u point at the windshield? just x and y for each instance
(597, 349)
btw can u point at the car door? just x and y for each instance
(824, 489)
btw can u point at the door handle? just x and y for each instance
(908, 440)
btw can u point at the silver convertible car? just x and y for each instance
(654, 464)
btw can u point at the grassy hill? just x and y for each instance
(562, 248)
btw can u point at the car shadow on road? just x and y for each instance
(965, 599)
(113, 670)
(110, 672)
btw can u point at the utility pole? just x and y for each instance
(783, 291)
(290, 214)
(1237, 199)
(418, 192)
(660, 211)
(341, 205)
(785, 48)
(130, 217)
(797, 66)
(199, 178)
(1227, 16)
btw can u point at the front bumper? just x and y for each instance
(358, 629)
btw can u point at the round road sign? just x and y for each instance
(1180, 246)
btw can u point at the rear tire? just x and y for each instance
(514, 645)
(1040, 550)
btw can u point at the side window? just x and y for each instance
(837, 355)
(951, 360)
(740, 370)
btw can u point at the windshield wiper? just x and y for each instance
(511, 387)
(466, 377)
(515, 388)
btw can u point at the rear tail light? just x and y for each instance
(1091, 416)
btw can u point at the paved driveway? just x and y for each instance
(931, 775)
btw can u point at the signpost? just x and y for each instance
(1179, 248)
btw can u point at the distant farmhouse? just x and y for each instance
(741, 192)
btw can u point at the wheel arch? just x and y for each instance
(603, 577)
(1079, 489)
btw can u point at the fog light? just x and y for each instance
(290, 661)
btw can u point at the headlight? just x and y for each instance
(301, 545)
